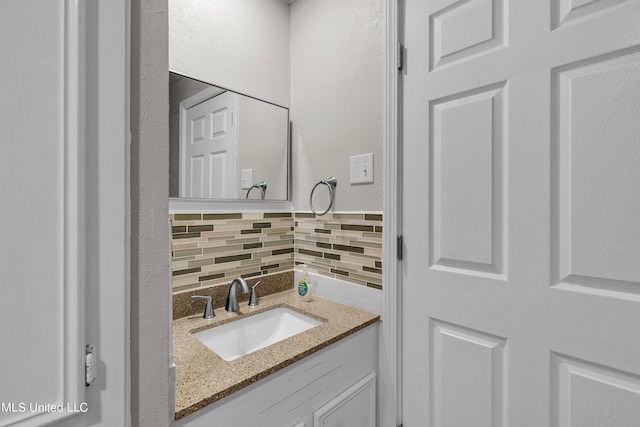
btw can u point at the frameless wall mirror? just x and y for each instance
(225, 145)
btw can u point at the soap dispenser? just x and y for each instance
(304, 285)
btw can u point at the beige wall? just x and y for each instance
(242, 45)
(337, 96)
(149, 206)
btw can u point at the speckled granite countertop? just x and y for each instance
(203, 377)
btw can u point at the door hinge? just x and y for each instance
(400, 56)
(399, 246)
(89, 364)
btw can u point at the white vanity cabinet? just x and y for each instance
(355, 406)
(333, 387)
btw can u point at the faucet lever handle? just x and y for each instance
(208, 308)
(253, 298)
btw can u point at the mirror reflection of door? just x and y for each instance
(208, 148)
(256, 130)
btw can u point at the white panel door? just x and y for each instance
(41, 220)
(209, 148)
(521, 213)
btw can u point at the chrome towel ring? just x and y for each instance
(263, 189)
(331, 183)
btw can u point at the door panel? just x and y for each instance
(460, 29)
(565, 11)
(219, 165)
(42, 176)
(468, 370)
(196, 176)
(197, 130)
(597, 177)
(590, 395)
(209, 155)
(521, 189)
(466, 166)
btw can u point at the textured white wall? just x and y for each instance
(149, 207)
(337, 96)
(242, 45)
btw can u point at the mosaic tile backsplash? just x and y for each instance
(341, 245)
(212, 249)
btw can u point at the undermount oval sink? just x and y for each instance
(248, 334)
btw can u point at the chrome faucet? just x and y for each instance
(232, 298)
(208, 308)
(253, 298)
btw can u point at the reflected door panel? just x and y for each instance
(210, 148)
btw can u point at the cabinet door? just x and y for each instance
(355, 406)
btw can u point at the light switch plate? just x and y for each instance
(361, 169)
(247, 178)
